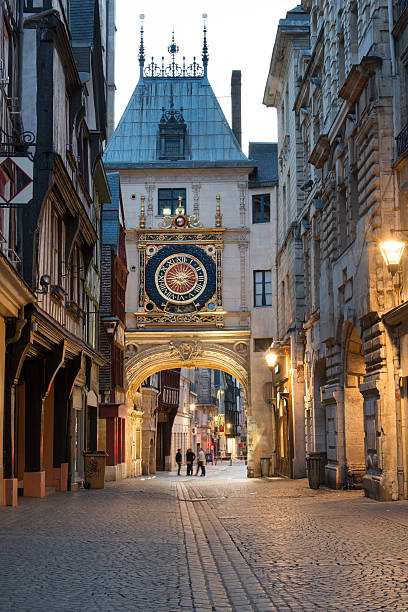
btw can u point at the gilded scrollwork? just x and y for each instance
(185, 350)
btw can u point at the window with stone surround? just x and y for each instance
(262, 288)
(261, 208)
(169, 201)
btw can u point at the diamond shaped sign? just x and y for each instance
(16, 181)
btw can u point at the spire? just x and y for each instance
(173, 49)
(141, 47)
(205, 55)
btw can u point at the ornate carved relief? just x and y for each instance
(196, 187)
(241, 348)
(131, 351)
(172, 258)
(243, 248)
(242, 202)
(185, 350)
(150, 187)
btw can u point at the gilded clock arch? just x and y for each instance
(145, 360)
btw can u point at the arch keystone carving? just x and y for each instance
(186, 351)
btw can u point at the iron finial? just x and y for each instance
(205, 55)
(141, 46)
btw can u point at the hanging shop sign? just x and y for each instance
(16, 181)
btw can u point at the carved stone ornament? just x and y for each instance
(131, 351)
(241, 348)
(171, 222)
(185, 350)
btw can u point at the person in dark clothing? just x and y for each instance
(179, 459)
(190, 456)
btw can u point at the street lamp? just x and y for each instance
(110, 324)
(277, 349)
(192, 407)
(392, 251)
(271, 357)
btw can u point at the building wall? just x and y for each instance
(343, 112)
(2, 371)
(281, 91)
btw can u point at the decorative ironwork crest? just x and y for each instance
(173, 69)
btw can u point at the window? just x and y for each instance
(83, 163)
(261, 208)
(169, 201)
(172, 135)
(263, 288)
(172, 147)
(55, 249)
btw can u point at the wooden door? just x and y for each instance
(283, 443)
(160, 438)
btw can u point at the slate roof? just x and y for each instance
(112, 212)
(81, 20)
(211, 141)
(266, 156)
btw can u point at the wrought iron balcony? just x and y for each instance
(401, 6)
(402, 138)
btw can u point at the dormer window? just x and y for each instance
(172, 134)
(172, 147)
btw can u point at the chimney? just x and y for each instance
(236, 104)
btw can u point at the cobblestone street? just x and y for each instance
(220, 543)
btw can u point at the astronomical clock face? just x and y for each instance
(180, 278)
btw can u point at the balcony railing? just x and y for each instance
(11, 254)
(402, 138)
(401, 6)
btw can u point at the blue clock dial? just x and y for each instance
(180, 278)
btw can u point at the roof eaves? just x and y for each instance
(111, 165)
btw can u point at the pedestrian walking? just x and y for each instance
(179, 459)
(201, 462)
(190, 456)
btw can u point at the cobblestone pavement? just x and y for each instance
(204, 544)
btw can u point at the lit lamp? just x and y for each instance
(192, 407)
(392, 251)
(271, 357)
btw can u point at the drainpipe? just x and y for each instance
(20, 57)
(9, 407)
(398, 415)
(393, 67)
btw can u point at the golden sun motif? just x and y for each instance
(181, 278)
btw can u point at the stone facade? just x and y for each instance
(291, 44)
(347, 76)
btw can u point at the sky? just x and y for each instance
(240, 36)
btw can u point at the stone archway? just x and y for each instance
(354, 371)
(148, 352)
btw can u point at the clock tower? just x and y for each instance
(184, 181)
